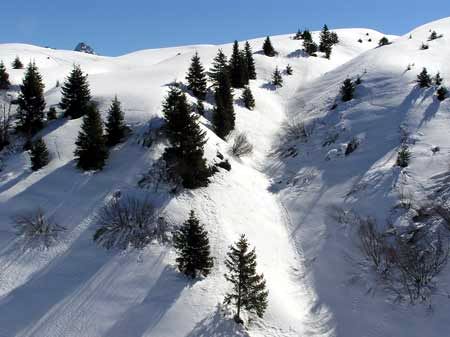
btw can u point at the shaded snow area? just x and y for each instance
(296, 197)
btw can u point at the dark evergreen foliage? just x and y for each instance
(327, 40)
(196, 78)
(115, 124)
(438, 79)
(289, 70)
(51, 113)
(91, 151)
(200, 107)
(39, 155)
(192, 245)
(184, 157)
(306, 35)
(403, 157)
(31, 102)
(424, 79)
(442, 93)
(219, 66)
(17, 64)
(347, 90)
(308, 44)
(268, 48)
(4, 77)
(248, 99)
(383, 41)
(237, 68)
(277, 79)
(249, 288)
(249, 62)
(223, 117)
(298, 35)
(76, 95)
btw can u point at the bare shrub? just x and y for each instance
(160, 177)
(241, 146)
(128, 222)
(372, 244)
(36, 229)
(5, 124)
(296, 129)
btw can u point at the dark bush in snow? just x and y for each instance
(383, 41)
(129, 222)
(424, 46)
(403, 157)
(241, 146)
(442, 93)
(37, 230)
(352, 146)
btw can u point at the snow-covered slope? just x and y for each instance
(77, 289)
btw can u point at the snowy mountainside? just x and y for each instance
(280, 202)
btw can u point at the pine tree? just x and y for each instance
(4, 77)
(223, 117)
(196, 78)
(403, 157)
(237, 68)
(200, 107)
(277, 79)
(308, 44)
(347, 90)
(289, 70)
(17, 64)
(39, 155)
(219, 66)
(185, 154)
(383, 41)
(268, 48)
(442, 93)
(247, 97)
(249, 288)
(91, 151)
(424, 79)
(115, 124)
(438, 79)
(31, 102)
(76, 95)
(51, 113)
(298, 35)
(249, 61)
(306, 35)
(192, 245)
(325, 39)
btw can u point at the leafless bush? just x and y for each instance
(5, 124)
(295, 129)
(373, 244)
(36, 229)
(241, 146)
(128, 222)
(160, 177)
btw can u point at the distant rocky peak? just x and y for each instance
(84, 48)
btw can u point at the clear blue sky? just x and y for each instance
(115, 27)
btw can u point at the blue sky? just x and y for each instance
(116, 27)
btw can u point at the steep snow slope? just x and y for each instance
(78, 289)
(388, 105)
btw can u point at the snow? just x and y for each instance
(281, 203)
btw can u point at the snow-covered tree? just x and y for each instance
(196, 78)
(39, 155)
(115, 124)
(76, 95)
(268, 48)
(424, 79)
(403, 157)
(277, 79)
(192, 245)
(347, 90)
(248, 287)
(17, 64)
(248, 99)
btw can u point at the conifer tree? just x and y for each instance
(200, 107)
(115, 124)
(298, 35)
(308, 44)
(91, 151)
(325, 39)
(185, 154)
(192, 245)
(237, 68)
(219, 66)
(196, 78)
(277, 79)
(247, 97)
(268, 48)
(17, 64)
(424, 79)
(39, 155)
(250, 62)
(306, 35)
(51, 113)
(31, 102)
(442, 93)
(4, 77)
(383, 41)
(249, 288)
(347, 90)
(403, 157)
(223, 117)
(76, 95)
(438, 79)
(289, 70)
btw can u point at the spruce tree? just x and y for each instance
(442, 93)
(76, 95)
(268, 48)
(403, 157)
(39, 155)
(91, 151)
(438, 79)
(248, 99)
(249, 61)
(237, 68)
(31, 102)
(277, 79)
(289, 70)
(185, 154)
(424, 79)
(4, 77)
(308, 44)
(17, 64)
(219, 66)
(196, 78)
(383, 41)
(306, 35)
(115, 124)
(223, 117)
(192, 245)
(298, 35)
(325, 39)
(347, 90)
(249, 288)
